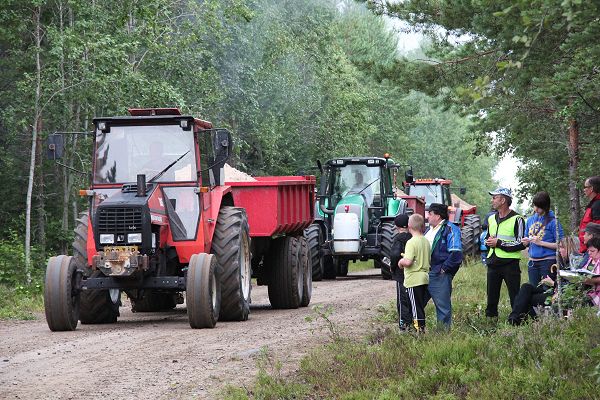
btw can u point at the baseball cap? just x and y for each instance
(503, 191)
(401, 221)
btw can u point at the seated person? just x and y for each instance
(360, 186)
(530, 296)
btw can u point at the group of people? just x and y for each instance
(424, 264)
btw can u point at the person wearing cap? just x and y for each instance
(541, 238)
(397, 252)
(504, 239)
(591, 190)
(446, 258)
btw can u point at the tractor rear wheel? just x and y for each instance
(314, 237)
(286, 282)
(231, 246)
(329, 271)
(388, 234)
(61, 298)
(80, 243)
(470, 235)
(203, 291)
(99, 306)
(306, 265)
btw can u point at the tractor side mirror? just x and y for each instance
(55, 146)
(320, 166)
(408, 176)
(462, 190)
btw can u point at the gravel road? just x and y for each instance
(158, 355)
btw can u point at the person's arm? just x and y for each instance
(517, 244)
(455, 255)
(409, 255)
(592, 281)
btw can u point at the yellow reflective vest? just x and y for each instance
(505, 231)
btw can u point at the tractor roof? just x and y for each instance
(342, 161)
(156, 115)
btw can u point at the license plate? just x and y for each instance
(121, 249)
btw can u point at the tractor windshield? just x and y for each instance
(126, 151)
(355, 179)
(432, 193)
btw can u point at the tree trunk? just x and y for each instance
(40, 187)
(37, 122)
(573, 173)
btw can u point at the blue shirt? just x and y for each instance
(544, 227)
(446, 252)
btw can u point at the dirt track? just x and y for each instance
(158, 356)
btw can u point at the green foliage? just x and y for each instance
(546, 358)
(21, 302)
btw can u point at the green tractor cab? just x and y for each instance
(355, 210)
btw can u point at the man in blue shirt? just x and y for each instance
(446, 258)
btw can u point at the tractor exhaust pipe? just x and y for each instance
(141, 185)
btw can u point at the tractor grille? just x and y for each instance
(119, 220)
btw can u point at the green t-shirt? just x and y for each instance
(417, 249)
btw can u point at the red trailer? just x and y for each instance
(278, 210)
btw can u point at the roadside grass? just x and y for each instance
(360, 266)
(21, 302)
(478, 359)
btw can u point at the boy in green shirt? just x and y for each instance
(415, 262)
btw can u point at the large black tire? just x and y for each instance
(80, 243)
(61, 299)
(231, 246)
(388, 234)
(306, 264)
(203, 291)
(314, 237)
(341, 266)
(329, 271)
(470, 235)
(286, 275)
(98, 306)
(154, 301)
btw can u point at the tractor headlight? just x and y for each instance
(107, 238)
(134, 238)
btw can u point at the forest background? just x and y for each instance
(296, 82)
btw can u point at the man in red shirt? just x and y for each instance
(591, 190)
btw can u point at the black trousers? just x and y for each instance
(403, 305)
(509, 273)
(529, 296)
(417, 296)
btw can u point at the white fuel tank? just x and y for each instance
(346, 233)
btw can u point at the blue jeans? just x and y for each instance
(440, 290)
(538, 270)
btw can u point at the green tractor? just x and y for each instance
(354, 219)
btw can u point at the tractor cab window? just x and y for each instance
(126, 151)
(356, 179)
(183, 210)
(432, 193)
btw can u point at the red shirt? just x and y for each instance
(592, 214)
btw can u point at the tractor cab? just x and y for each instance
(433, 190)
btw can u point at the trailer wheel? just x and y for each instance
(388, 234)
(61, 298)
(231, 246)
(306, 265)
(286, 275)
(99, 306)
(470, 235)
(203, 291)
(314, 236)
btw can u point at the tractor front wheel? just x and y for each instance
(99, 306)
(231, 246)
(203, 291)
(61, 298)
(341, 266)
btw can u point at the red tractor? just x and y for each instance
(437, 190)
(163, 222)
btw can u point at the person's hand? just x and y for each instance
(547, 281)
(535, 239)
(491, 241)
(400, 265)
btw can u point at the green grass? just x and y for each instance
(360, 266)
(478, 359)
(21, 302)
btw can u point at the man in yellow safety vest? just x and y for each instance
(506, 229)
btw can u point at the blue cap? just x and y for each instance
(503, 191)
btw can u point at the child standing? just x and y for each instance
(398, 247)
(416, 269)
